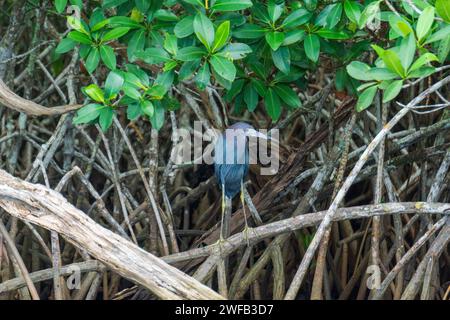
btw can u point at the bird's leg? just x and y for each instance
(221, 239)
(223, 213)
(246, 228)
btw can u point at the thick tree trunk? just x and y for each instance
(42, 206)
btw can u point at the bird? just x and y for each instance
(231, 163)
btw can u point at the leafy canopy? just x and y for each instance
(257, 51)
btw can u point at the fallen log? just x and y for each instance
(49, 209)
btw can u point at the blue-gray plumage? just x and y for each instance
(231, 159)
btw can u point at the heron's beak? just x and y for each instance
(257, 134)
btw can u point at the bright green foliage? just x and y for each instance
(259, 52)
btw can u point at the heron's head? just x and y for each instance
(248, 130)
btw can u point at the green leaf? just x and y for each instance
(143, 5)
(274, 39)
(60, 5)
(131, 91)
(65, 45)
(171, 103)
(84, 51)
(297, 18)
(165, 79)
(157, 120)
(76, 24)
(352, 11)
(112, 3)
(96, 17)
(392, 62)
(153, 55)
(88, 113)
(115, 33)
(133, 81)
(94, 92)
(380, 74)
(113, 84)
(334, 16)
(400, 25)
(443, 49)
(195, 2)
(100, 25)
(235, 51)
(293, 37)
(136, 77)
(249, 31)
(79, 37)
(92, 60)
(231, 5)
(439, 35)
(187, 69)
(250, 97)
(287, 95)
(137, 15)
(321, 19)
(422, 72)
(294, 75)
(407, 50)
(331, 34)
(169, 65)
(108, 57)
(224, 67)
(259, 86)
(204, 30)
(133, 111)
(223, 31)
(382, 85)
(259, 11)
(165, 15)
(380, 51)
(424, 22)
(275, 10)
(238, 104)
(220, 80)
(312, 47)
(190, 53)
(369, 84)
(78, 3)
(369, 13)
(157, 91)
(170, 44)
(340, 79)
(365, 99)
(272, 103)
(147, 107)
(136, 44)
(392, 90)
(282, 59)
(423, 59)
(236, 88)
(106, 118)
(184, 28)
(258, 68)
(203, 76)
(443, 9)
(124, 22)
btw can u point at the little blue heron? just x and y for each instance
(231, 162)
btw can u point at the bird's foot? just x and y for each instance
(220, 243)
